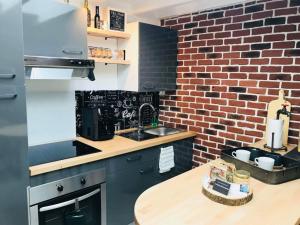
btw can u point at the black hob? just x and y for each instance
(52, 152)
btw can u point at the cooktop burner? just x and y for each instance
(52, 152)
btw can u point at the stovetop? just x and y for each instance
(52, 152)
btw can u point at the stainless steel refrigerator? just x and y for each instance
(13, 125)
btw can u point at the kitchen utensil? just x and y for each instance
(273, 107)
(243, 155)
(77, 217)
(265, 163)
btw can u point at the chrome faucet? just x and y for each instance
(140, 127)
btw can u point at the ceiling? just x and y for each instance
(153, 10)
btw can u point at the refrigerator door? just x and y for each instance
(13, 125)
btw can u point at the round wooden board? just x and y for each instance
(222, 199)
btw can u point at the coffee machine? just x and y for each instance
(98, 123)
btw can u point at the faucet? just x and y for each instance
(140, 127)
(283, 111)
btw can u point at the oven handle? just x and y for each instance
(70, 202)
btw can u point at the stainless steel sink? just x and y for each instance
(162, 131)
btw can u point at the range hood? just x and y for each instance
(38, 67)
(55, 41)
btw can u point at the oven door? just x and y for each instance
(78, 208)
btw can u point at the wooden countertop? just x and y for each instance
(179, 201)
(114, 147)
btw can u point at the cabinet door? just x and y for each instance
(13, 130)
(54, 29)
(126, 184)
(157, 58)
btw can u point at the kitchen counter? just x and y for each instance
(114, 147)
(179, 201)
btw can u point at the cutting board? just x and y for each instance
(273, 107)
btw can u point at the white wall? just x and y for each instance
(51, 103)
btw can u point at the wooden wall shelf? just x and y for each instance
(111, 61)
(107, 33)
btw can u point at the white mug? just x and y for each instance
(265, 163)
(240, 154)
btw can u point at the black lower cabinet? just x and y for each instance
(129, 175)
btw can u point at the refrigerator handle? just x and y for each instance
(8, 96)
(7, 76)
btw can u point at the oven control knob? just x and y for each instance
(60, 188)
(83, 181)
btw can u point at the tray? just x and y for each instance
(230, 199)
(222, 199)
(290, 170)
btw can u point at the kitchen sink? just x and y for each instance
(162, 131)
(150, 133)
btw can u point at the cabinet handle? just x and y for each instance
(146, 170)
(7, 76)
(72, 52)
(8, 96)
(134, 158)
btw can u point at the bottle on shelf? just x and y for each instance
(97, 23)
(88, 11)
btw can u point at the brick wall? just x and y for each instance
(232, 62)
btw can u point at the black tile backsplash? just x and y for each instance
(125, 105)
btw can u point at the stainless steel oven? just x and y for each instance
(77, 200)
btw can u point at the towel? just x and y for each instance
(166, 159)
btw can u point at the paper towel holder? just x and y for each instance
(283, 148)
(282, 111)
(278, 109)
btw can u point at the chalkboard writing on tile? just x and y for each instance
(125, 106)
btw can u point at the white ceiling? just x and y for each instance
(154, 10)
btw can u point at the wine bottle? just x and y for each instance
(97, 18)
(88, 11)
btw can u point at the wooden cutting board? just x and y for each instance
(273, 107)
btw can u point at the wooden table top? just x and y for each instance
(179, 201)
(110, 148)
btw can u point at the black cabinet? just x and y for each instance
(157, 58)
(128, 176)
(152, 51)
(131, 174)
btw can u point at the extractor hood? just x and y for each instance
(38, 67)
(55, 41)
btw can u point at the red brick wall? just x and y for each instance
(232, 62)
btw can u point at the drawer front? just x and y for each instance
(132, 161)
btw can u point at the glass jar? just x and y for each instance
(241, 177)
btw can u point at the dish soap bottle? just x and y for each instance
(88, 12)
